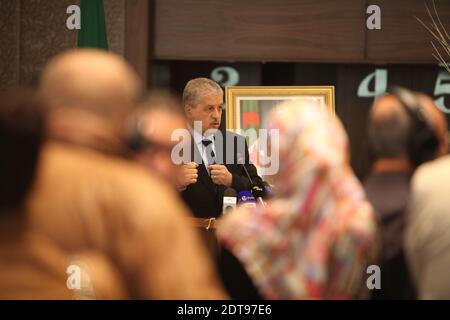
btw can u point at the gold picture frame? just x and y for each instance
(236, 94)
(247, 107)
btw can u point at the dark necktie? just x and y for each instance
(210, 155)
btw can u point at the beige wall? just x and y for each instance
(32, 31)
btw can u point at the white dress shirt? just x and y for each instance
(198, 138)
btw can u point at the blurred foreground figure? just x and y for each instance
(86, 197)
(30, 266)
(149, 131)
(405, 130)
(315, 239)
(427, 237)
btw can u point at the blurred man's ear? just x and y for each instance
(188, 110)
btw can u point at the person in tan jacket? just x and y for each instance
(87, 196)
(427, 240)
(30, 266)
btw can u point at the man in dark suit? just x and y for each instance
(218, 158)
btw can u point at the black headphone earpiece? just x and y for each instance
(422, 141)
(134, 138)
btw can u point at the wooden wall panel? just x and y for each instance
(115, 25)
(9, 44)
(43, 34)
(402, 39)
(138, 35)
(33, 31)
(260, 30)
(293, 30)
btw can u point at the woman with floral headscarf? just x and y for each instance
(316, 237)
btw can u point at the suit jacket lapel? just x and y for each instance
(223, 151)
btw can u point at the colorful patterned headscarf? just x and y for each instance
(316, 237)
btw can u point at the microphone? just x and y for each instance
(241, 159)
(246, 199)
(258, 193)
(268, 192)
(257, 190)
(229, 200)
(246, 173)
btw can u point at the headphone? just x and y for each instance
(134, 137)
(422, 142)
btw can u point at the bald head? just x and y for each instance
(91, 80)
(386, 107)
(390, 125)
(388, 128)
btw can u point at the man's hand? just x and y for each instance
(220, 174)
(187, 175)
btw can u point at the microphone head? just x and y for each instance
(246, 199)
(268, 192)
(229, 200)
(229, 192)
(258, 191)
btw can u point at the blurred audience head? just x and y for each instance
(89, 94)
(439, 123)
(406, 128)
(21, 135)
(149, 132)
(314, 142)
(91, 80)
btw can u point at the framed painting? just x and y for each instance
(247, 107)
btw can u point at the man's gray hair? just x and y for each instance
(388, 137)
(198, 88)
